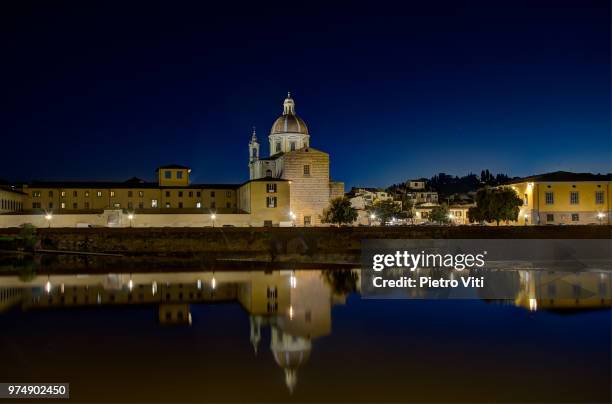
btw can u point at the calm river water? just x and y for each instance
(303, 336)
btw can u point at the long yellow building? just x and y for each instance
(11, 199)
(170, 201)
(561, 197)
(172, 191)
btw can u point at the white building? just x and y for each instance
(458, 213)
(417, 185)
(422, 197)
(361, 198)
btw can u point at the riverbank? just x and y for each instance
(267, 244)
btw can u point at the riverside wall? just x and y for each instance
(257, 241)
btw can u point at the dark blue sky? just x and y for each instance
(106, 90)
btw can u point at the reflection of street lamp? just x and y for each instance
(131, 217)
(533, 304)
(49, 216)
(213, 217)
(293, 280)
(600, 216)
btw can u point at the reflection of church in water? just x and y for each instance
(295, 305)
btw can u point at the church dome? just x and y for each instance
(289, 122)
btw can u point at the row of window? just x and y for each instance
(9, 293)
(550, 217)
(168, 175)
(9, 204)
(306, 171)
(292, 147)
(36, 194)
(198, 194)
(549, 198)
(130, 205)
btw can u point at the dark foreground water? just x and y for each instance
(301, 336)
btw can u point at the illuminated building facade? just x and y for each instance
(293, 159)
(564, 198)
(291, 187)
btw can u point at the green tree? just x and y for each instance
(495, 205)
(386, 210)
(27, 236)
(440, 214)
(340, 211)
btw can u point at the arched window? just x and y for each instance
(268, 173)
(254, 152)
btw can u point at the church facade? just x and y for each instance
(293, 159)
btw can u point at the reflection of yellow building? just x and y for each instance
(174, 313)
(564, 198)
(562, 291)
(296, 305)
(10, 297)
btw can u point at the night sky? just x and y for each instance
(111, 90)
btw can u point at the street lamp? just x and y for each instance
(213, 217)
(131, 217)
(526, 216)
(293, 216)
(49, 216)
(600, 216)
(372, 217)
(451, 217)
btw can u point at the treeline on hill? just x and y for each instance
(448, 185)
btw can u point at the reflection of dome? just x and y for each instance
(290, 352)
(291, 359)
(289, 122)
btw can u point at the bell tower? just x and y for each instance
(253, 147)
(253, 155)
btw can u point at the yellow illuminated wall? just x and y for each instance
(579, 202)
